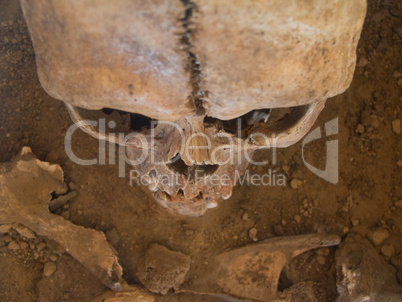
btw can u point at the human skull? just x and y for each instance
(205, 65)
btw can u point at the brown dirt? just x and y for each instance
(362, 201)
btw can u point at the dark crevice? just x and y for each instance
(240, 124)
(177, 165)
(193, 65)
(137, 121)
(273, 120)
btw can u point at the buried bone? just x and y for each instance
(26, 187)
(252, 272)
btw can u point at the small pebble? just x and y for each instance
(40, 246)
(283, 222)
(245, 216)
(398, 203)
(23, 245)
(252, 233)
(35, 255)
(387, 250)
(53, 257)
(396, 126)
(49, 269)
(379, 236)
(345, 229)
(297, 218)
(5, 228)
(362, 62)
(295, 183)
(355, 222)
(13, 246)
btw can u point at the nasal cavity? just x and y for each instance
(177, 165)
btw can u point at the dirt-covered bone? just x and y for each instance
(162, 269)
(26, 186)
(362, 274)
(252, 272)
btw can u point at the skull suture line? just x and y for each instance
(199, 64)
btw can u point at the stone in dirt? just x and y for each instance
(396, 126)
(13, 246)
(387, 250)
(379, 236)
(49, 269)
(5, 228)
(252, 233)
(162, 269)
(296, 183)
(362, 274)
(360, 128)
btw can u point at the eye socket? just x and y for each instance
(238, 125)
(137, 121)
(274, 120)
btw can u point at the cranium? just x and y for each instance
(200, 64)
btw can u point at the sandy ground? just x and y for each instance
(366, 198)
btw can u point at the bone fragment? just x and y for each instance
(26, 186)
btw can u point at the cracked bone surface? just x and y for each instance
(252, 272)
(199, 64)
(27, 185)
